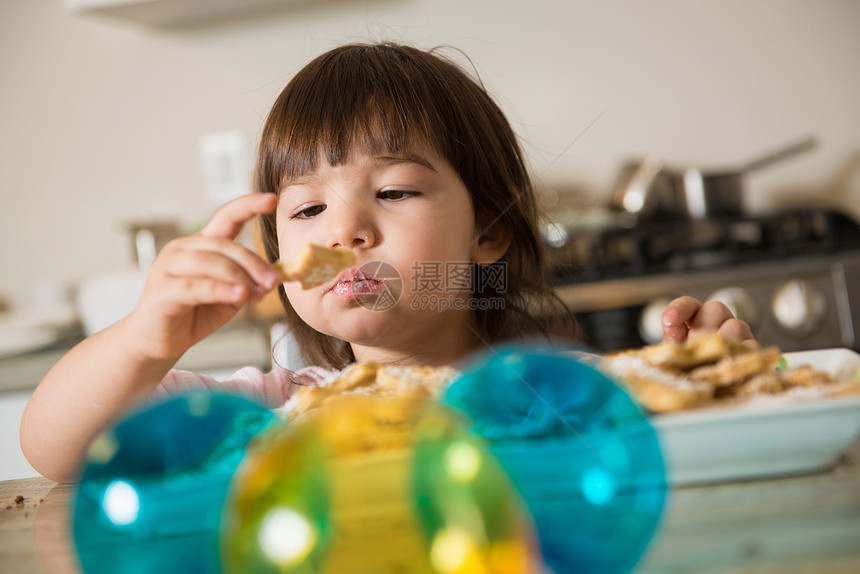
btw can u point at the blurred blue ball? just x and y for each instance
(583, 455)
(151, 493)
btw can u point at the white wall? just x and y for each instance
(100, 119)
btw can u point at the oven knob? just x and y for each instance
(799, 306)
(651, 320)
(740, 303)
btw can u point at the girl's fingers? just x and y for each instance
(231, 217)
(206, 265)
(195, 291)
(711, 317)
(231, 262)
(677, 318)
(686, 315)
(738, 330)
(209, 268)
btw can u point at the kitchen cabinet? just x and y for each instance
(167, 12)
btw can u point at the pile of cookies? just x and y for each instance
(374, 380)
(710, 369)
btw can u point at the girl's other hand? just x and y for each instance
(199, 282)
(685, 316)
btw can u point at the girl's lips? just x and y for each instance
(347, 275)
(352, 283)
(354, 289)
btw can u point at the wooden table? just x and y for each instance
(799, 524)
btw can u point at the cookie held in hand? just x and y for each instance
(315, 265)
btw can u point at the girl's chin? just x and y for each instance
(361, 326)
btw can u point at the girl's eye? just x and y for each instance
(395, 194)
(308, 212)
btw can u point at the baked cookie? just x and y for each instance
(373, 380)
(315, 265)
(804, 376)
(761, 384)
(712, 369)
(733, 369)
(658, 390)
(698, 350)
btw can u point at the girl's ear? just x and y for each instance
(492, 243)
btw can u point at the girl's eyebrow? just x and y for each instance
(385, 160)
(301, 179)
(405, 158)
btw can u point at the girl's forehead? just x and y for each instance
(419, 155)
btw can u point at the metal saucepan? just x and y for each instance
(650, 190)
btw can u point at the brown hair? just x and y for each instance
(383, 98)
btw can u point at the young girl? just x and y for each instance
(389, 151)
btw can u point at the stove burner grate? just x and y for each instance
(677, 246)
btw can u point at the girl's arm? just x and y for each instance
(196, 285)
(82, 394)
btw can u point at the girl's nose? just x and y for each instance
(349, 228)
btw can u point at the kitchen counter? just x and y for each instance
(787, 525)
(237, 344)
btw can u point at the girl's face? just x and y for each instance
(411, 224)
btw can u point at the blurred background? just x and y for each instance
(126, 122)
(116, 113)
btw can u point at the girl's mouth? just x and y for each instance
(353, 283)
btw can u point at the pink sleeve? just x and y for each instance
(272, 389)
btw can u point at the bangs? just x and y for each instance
(376, 101)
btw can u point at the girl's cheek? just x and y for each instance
(294, 235)
(289, 237)
(294, 293)
(289, 245)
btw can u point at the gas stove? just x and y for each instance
(794, 277)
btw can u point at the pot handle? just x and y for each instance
(783, 153)
(634, 188)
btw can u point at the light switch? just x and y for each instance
(226, 166)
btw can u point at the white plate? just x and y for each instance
(764, 437)
(23, 332)
(26, 340)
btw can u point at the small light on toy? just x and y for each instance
(452, 550)
(463, 462)
(121, 503)
(598, 486)
(286, 536)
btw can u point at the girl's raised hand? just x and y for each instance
(199, 282)
(686, 315)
